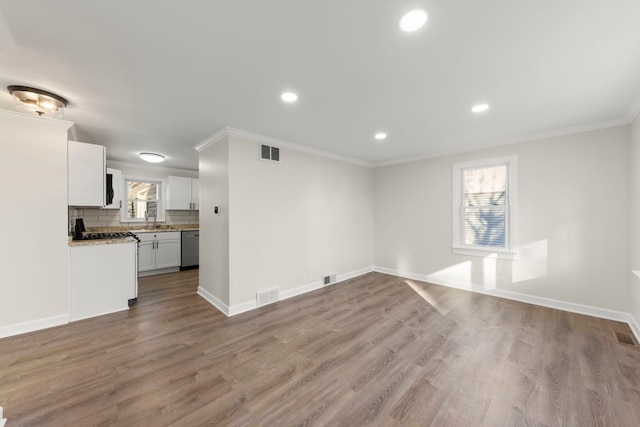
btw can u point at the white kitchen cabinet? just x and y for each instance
(102, 278)
(117, 183)
(158, 250)
(86, 174)
(146, 255)
(183, 194)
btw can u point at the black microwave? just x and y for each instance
(109, 190)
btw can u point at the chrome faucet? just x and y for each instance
(154, 214)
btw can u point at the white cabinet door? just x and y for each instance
(183, 194)
(86, 174)
(159, 250)
(117, 183)
(167, 253)
(195, 193)
(147, 256)
(178, 193)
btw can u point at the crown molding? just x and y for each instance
(537, 136)
(216, 137)
(6, 39)
(45, 121)
(239, 133)
(554, 133)
(73, 133)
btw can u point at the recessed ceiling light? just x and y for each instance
(152, 157)
(480, 108)
(380, 136)
(413, 20)
(289, 97)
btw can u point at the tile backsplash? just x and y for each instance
(94, 217)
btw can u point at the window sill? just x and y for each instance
(485, 253)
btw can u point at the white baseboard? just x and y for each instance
(224, 308)
(33, 325)
(635, 326)
(242, 307)
(588, 310)
(289, 293)
(318, 284)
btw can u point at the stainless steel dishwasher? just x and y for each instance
(190, 249)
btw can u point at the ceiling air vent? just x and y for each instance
(269, 153)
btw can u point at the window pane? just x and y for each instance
(484, 227)
(142, 190)
(485, 186)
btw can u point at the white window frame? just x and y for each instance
(511, 209)
(161, 199)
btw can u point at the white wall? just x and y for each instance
(214, 228)
(293, 221)
(34, 254)
(634, 282)
(573, 214)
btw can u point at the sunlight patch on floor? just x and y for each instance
(426, 296)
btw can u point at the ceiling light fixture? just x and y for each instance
(480, 108)
(38, 101)
(413, 20)
(289, 97)
(380, 136)
(152, 157)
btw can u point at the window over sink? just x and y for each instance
(144, 200)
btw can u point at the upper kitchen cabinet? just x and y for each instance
(114, 189)
(86, 174)
(183, 193)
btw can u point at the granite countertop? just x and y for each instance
(145, 229)
(73, 243)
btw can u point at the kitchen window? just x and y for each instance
(484, 207)
(144, 200)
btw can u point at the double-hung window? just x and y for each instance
(144, 200)
(484, 207)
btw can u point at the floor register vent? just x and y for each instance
(267, 297)
(329, 279)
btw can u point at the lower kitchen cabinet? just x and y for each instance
(102, 279)
(159, 250)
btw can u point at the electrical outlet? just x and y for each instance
(500, 280)
(303, 278)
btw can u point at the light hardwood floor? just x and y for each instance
(377, 350)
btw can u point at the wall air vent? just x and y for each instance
(269, 153)
(329, 279)
(267, 297)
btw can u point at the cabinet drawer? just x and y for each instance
(159, 235)
(168, 235)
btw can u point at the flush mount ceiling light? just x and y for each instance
(289, 97)
(480, 108)
(380, 136)
(38, 101)
(413, 20)
(152, 157)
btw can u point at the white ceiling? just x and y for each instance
(162, 76)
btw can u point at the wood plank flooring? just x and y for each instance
(377, 350)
